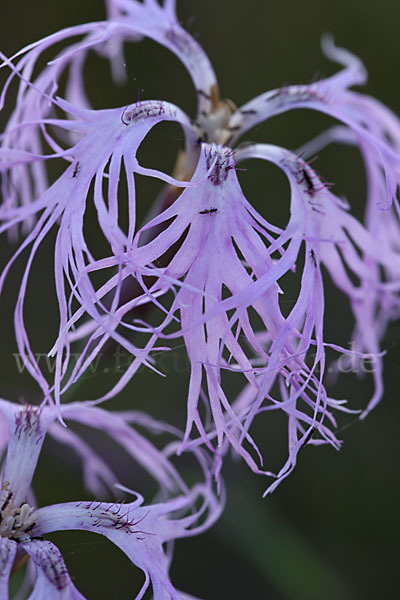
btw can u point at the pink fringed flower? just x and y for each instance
(222, 288)
(140, 531)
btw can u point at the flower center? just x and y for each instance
(16, 521)
(213, 127)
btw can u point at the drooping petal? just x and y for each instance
(331, 234)
(109, 137)
(212, 217)
(208, 258)
(380, 302)
(216, 221)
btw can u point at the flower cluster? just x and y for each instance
(205, 267)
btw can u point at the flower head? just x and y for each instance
(221, 285)
(140, 531)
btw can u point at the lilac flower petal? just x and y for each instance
(28, 426)
(27, 429)
(184, 596)
(128, 21)
(8, 549)
(139, 532)
(214, 225)
(53, 580)
(142, 450)
(162, 25)
(380, 302)
(97, 475)
(321, 222)
(213, 221)
(221, 290)
(364, 116)
(65, 202)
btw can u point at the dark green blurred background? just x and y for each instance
(331, 531)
